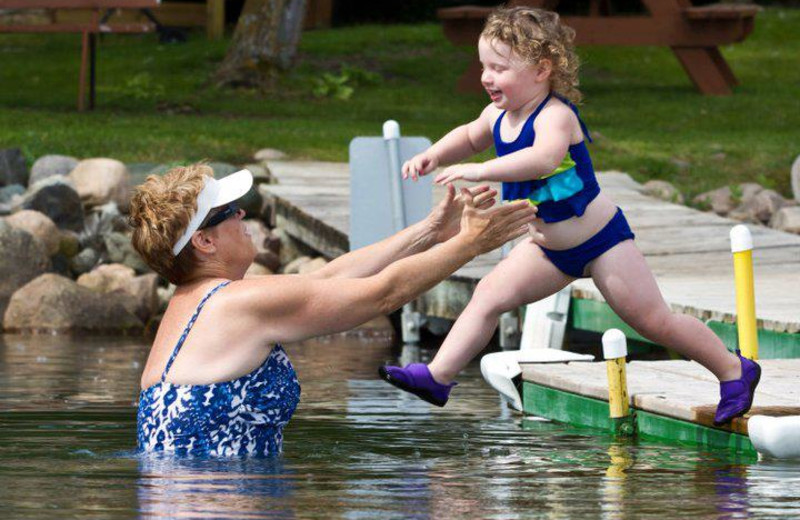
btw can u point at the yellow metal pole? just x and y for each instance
(618, 405)
(615, 349)
(742, 249)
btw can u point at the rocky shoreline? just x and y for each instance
(68, 265)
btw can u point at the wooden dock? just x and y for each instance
(671, 400)
(688, 250)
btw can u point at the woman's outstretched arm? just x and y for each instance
(291, 308)
(441, 224)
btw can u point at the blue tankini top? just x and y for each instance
(241, 417)
(567, 191)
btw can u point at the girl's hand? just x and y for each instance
(420, 164)
(467, 172)
(444, 221)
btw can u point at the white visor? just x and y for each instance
(216, 193)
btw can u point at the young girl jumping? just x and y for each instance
(530, 73)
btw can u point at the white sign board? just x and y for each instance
(373, 175)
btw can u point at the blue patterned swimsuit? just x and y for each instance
(241, 417)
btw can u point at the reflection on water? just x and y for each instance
(356, 448)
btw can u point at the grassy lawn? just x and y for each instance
(155, 102)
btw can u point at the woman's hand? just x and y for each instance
(488, 229)
(419, 165)
(444, 221)
(466, 171)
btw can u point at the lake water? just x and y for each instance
(356, 448)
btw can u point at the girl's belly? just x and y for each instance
(577, 230)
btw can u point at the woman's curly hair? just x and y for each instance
(161, 209)
(535, 34)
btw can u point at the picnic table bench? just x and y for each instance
(693, 33)
(97, 23)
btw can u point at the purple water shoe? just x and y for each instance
(736, 397)
(415, 378)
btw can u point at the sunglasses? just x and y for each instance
(224, 213)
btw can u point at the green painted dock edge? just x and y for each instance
(598, 317)
(578, 410)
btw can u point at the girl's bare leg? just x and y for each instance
(525, 276)
(628, 285)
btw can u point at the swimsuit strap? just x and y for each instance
(189, 327)
(572, 106)
(531, 117)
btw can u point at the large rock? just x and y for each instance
(23, 258)
(50, 166)
(108, 278)
(55, 304)
(100, 222)
(719, 201)
(69, 245)
(759, 208)
(269, 154)
(84, 261)
(747, 190)
(40, 226)
(269, 260)
(13, 169)
(663, 190)
(11, 193)
(99, 181)
(256, 270)
(56, 198)
(787, 219)
(120, 251)
(314, 265)
(293, 267)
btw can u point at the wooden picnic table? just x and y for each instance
(98, 22)
(693, 33)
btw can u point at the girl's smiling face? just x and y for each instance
(510, 82)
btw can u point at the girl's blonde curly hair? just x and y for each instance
(161, 209)
(535, 34)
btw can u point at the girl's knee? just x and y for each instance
(488, 299)
(653, 326)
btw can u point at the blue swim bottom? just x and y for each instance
(573, 261)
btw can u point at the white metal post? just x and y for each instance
(410, 319)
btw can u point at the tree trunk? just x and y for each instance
(264, 43)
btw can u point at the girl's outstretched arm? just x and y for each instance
(554, 130)
(458, 144)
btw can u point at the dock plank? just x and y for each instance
(688, 250)
(679, 389)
